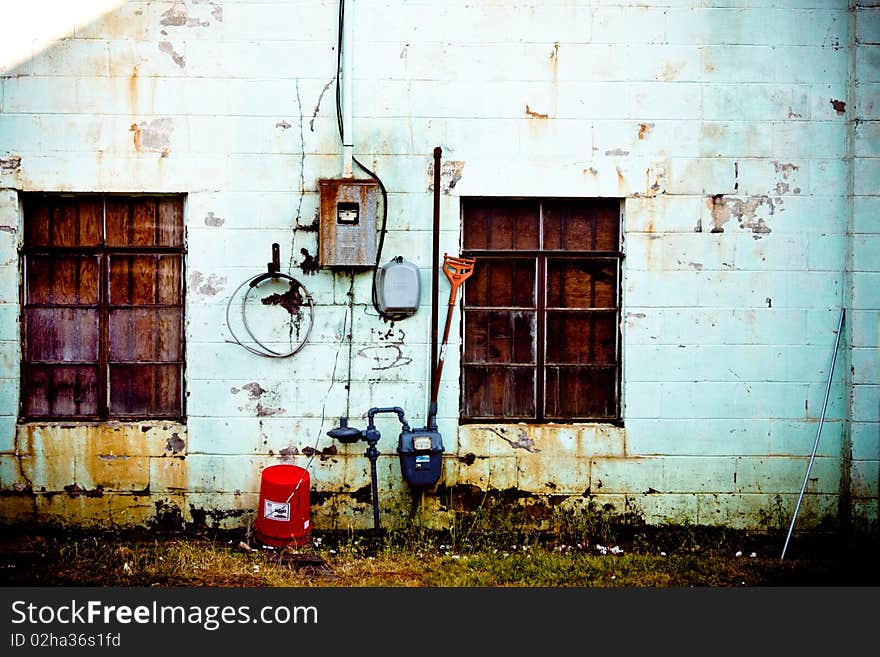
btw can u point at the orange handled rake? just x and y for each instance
(457, 270)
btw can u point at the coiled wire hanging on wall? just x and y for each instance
(299, 294)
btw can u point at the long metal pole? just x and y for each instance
(818, 432)
(431, 423)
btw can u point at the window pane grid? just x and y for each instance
(574, 336)
(76, 365)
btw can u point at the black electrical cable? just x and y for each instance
(383, 230)
(261, 349)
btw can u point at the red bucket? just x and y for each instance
(283, 513)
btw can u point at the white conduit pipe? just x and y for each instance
(347, 88)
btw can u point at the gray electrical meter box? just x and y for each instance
(347, 232)
(398, 287)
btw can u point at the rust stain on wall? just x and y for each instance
(309, 264)
(133, 89)
(326, 453)
(839, 106)
(645, 129)
(532, 114)
(96, 473)
(154, 136)
(670, 71)
(291, 300)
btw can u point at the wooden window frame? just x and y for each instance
(541, 256)
(104, 253)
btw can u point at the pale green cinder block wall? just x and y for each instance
(740, 136)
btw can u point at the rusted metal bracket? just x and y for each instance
(275, 265)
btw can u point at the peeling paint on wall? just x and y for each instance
(208, 287)
(154, 136)
(318, 103)
(786, 170)
(291, 300)
(522, 440)
(178, 15)
(168, 48)
(450, 173)
(175, 443)
(213, 220)
(747, 212)
(257, 394)
(309, 264)
(10, 163)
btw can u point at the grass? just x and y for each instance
(626, 556)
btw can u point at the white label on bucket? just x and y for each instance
(276, 510)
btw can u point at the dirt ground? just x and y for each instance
(654, 557)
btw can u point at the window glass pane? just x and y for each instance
(62, 279)
(145, 390)
(492, 392)
(577, 226)
(581, 337)
(607, 226)
(502, 283)
(60, 390)
(499, 337)
(569, 226)
(145, 335)
(144, 280)
(58, 220)
(501, 224)
(61, 335)
(580, 392)
(581, 283)
(144, 221)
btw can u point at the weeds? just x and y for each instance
(589, 546)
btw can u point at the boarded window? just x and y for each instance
(541, 312)
(102, 307)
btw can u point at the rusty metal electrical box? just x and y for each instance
(347, 236)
